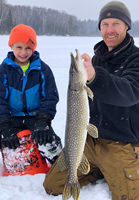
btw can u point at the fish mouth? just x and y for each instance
(74, 62)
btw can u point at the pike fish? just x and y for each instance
(77, 126)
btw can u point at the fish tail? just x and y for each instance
(71, 190)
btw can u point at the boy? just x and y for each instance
(28, 92)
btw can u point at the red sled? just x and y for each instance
(26, 159)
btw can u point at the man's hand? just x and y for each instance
(88, 66)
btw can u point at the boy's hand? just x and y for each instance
(42, 134)
(8, 133)
(9, 138)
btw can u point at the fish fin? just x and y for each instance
(84, 166)
(71, 190)
(92, 130)
(61, 161)
(89, 92)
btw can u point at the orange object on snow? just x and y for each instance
(26, 159)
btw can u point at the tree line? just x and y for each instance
(49, 22)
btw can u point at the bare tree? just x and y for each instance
(49, 22)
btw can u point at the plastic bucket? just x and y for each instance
(26, 159)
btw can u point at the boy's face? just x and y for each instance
(22, 53)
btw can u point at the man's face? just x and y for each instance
(113, 32)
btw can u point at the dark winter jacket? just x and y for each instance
(115, 108)
(25, 94)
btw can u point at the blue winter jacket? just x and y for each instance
(25, 94)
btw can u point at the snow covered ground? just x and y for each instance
(55, 51)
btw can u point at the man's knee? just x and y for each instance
(55, 180)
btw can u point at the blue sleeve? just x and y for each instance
(49, 92)
(4, 106)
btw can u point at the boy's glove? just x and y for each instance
(8, 133)
(43, 132)
(9, 138)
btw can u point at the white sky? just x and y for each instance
(82, 9)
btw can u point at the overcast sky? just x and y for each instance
(82, 9)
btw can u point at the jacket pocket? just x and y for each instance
(132, 177)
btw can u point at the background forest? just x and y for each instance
(49, 22)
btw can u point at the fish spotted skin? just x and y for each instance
(77, 125)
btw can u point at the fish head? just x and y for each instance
(78, 74)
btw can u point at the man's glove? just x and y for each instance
(8, 133)
(43, 132)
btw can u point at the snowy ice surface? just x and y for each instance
(55, 51)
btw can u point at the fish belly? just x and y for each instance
(76, 127)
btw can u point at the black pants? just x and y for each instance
(24, 122)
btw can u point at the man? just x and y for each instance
(113, 76)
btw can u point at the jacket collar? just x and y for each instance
(35, 60)
(101, 50)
